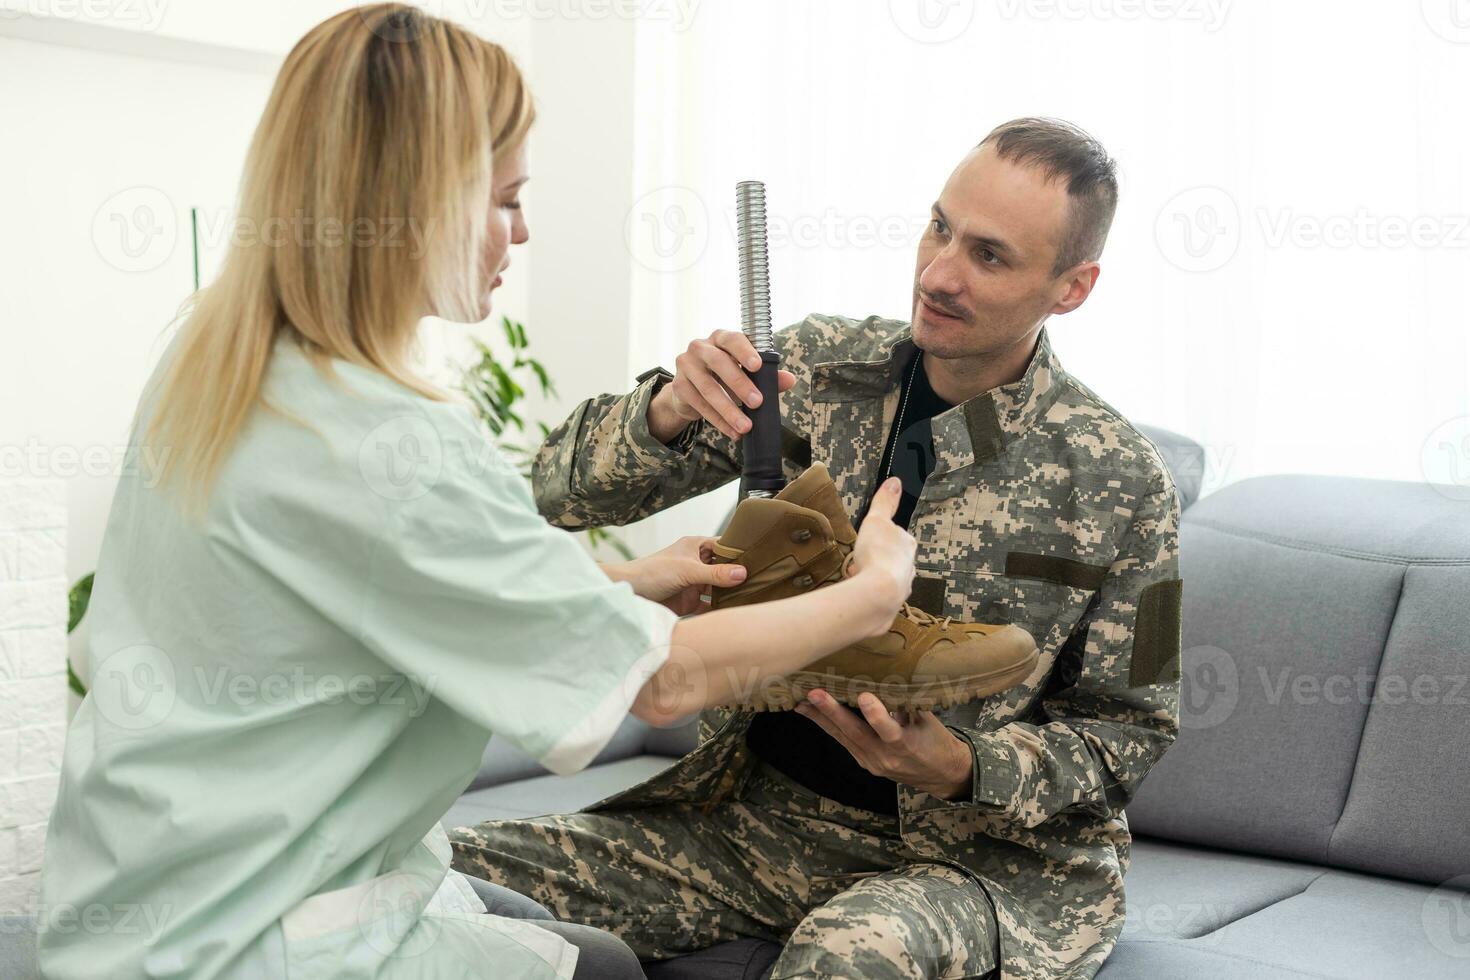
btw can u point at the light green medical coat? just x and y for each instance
(286, 699)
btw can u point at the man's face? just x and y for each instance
(984, 278)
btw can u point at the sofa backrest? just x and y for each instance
(1325, 709)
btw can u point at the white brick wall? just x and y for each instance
(33, 612)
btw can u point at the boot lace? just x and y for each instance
(923, 618)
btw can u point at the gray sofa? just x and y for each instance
(1313, 820)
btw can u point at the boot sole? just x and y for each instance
(787, 692)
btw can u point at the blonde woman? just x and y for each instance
(303, 636)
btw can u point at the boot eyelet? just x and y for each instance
(801, 534)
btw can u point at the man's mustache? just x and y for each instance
(944, 305)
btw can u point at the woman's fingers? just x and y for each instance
(885, 501)
(723, 576)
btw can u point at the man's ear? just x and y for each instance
(1079, 286)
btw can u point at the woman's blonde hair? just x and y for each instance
(363, 205)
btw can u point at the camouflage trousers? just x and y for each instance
(835, 884)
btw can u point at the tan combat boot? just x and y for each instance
(802, 539)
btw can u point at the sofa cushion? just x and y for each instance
(1330, 923)
(1282, 607)
(1185, 459)
(18, 947)
(552, 794)
(1174, 891)
(1406, 811)
(504, 763)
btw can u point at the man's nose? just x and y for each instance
(943, 275)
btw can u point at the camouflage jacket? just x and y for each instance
(1045, 508)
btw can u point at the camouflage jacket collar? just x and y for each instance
(975, 430)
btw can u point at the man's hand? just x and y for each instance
(710, 383)
(913, 748)
(678, 576)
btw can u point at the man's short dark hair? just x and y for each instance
(1065, 152)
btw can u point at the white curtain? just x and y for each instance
(1285, 280)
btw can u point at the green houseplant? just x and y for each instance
(495, 388)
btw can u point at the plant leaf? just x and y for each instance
(78, 599)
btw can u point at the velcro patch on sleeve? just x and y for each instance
(1156, 634)
(1054, 568)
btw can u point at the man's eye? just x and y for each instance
(512, 205)
(988, 257)
(936, 226)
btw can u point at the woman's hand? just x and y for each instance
(678, 575)
(883, 555)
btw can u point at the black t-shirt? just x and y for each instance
(786, 740)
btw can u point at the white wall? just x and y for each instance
(32, 677)
(1313, 152)
(118, 134)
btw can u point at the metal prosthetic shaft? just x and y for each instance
(761, 475)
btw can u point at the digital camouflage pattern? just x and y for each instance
(1045, 508)
(838, 885)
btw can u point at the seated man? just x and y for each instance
(989, 837)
